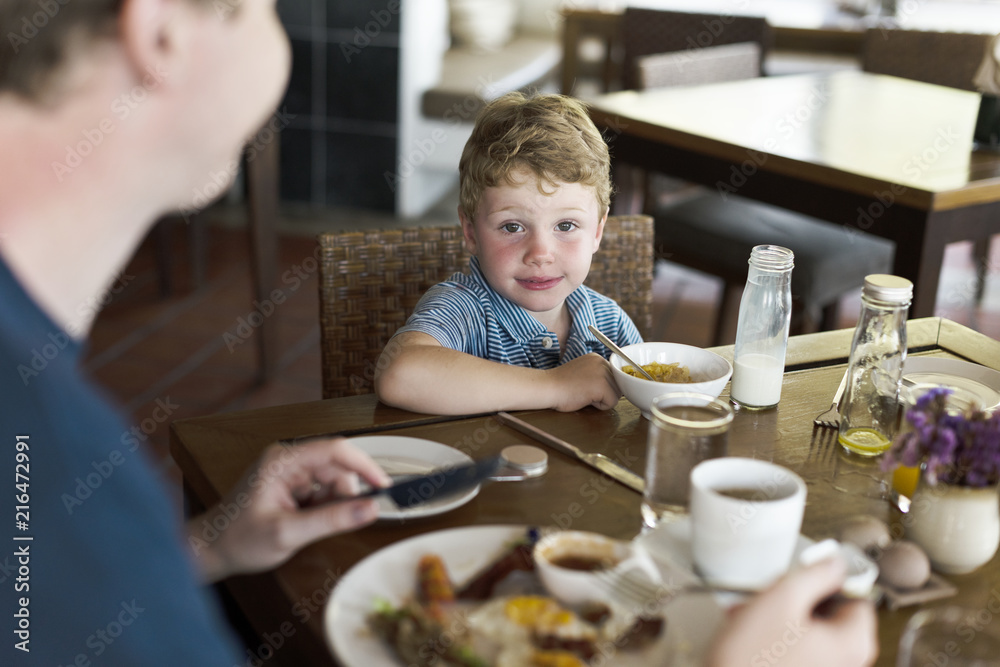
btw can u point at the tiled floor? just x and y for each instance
(173, 352)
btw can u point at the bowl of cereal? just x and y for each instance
(677, 367)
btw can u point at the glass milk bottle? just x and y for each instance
(762, 329)
(870, 407)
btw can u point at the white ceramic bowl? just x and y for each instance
(576, 586)
(709, 371)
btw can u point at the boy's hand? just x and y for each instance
(584, 381)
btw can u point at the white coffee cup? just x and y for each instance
(746, 516)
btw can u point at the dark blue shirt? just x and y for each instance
(100, 576)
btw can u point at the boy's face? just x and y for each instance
(535, 249)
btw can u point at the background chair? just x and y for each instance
(709, 233)
(944, 58)
(653, 31)
(713, 64)
(371, 281)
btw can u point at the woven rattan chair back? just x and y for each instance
(623, 268)
(945, 58)
(370, 282)
(649, 31)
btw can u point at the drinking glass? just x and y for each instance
(686, 428)
(952, 636)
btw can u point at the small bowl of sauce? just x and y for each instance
(575, 566)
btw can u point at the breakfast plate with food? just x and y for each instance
(470, 596)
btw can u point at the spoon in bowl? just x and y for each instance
(617, 350)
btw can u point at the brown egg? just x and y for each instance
(904, 565)
(865, 532)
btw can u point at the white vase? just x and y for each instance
(957, 526)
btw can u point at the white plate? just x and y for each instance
(390, 574)
(982, 382)
(402, 456)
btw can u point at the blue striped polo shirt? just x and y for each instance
(464, 313)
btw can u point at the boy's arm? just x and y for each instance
(415, 372)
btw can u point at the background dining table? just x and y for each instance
(214, 451)
(873, 153)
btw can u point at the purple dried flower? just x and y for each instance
(962, 449)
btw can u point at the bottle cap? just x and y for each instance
(888, 289)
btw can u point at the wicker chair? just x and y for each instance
(371, 281)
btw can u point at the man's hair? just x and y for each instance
(37, 36)
(550, 135)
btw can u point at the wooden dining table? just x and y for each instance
(873, 153)
(214, 451)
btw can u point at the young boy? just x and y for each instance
(535, 190)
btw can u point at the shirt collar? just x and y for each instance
(523, 326)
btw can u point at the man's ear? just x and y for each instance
(600, 230)
(154, 35)
(468, 231)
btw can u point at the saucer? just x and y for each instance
(669, 545)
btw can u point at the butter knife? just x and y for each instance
(597, 461)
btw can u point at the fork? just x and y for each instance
(820, 449)
(830, 418)
(635, 588)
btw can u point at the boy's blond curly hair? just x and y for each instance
(551, 135)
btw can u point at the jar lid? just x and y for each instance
(889, 289)
(772, 258)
